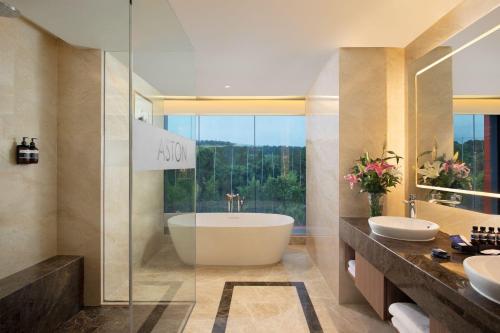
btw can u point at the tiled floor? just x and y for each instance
(256, 309)
(269, 299)
(276, 308)
(162, 278)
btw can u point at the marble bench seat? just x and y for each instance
(41, 297)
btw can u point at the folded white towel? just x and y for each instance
(351, 263)
(352, 270)
(411, 316)
(400, 326)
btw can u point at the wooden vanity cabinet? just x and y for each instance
(378, 291)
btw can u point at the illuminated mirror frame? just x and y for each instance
(435, 63)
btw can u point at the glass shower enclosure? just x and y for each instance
(142, 235)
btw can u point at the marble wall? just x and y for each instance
(147, 215)
(79, 150)
(116, 179)
(54, 91)
(28, 193)
(368, 113)
(371, 100)
(455, 221)
(322, 195)
(396, 124)
(372, 106)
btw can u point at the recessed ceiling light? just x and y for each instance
(227, 86)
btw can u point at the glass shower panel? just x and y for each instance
(163, 205)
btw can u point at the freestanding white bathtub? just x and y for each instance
(231, 239)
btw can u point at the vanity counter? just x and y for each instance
(440, 287)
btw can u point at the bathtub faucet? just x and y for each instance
(230, 198)
(241, 202)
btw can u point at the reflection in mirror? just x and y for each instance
(458, 118)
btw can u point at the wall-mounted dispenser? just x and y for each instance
(33, 157)
(23, 152)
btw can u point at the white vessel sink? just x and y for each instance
(403, 228)
(484, 275)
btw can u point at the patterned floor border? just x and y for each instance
(227, 294)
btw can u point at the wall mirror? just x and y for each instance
(458, 118)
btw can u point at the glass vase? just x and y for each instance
(376, 202)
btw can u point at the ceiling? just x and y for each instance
(258, 47)
(278, 47)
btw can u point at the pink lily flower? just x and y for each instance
(379, 168)
(352, 179)
(461, 169)
(447, 166)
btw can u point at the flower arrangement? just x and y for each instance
(443, 172)
(375, 176)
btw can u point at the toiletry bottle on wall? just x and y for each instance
(33, 151)
(23, 152)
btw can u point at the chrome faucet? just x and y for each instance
(230, 198)
(412, 205)
(241, 202)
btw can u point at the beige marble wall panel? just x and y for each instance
(322, 128)
(116, 180)
(363, 127)
(28, 193)
(148, 190)
(396, 124)
(79, 162)
(372, 112)
(148, 186)
(322, 190)
(363, 118)
(454, 220)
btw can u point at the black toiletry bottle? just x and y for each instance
(491, 236)
(23, 152)
(33, 151)
(483, 236)
(474, 235)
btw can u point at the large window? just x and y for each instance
(261, 158)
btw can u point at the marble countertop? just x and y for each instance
(439, 286)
